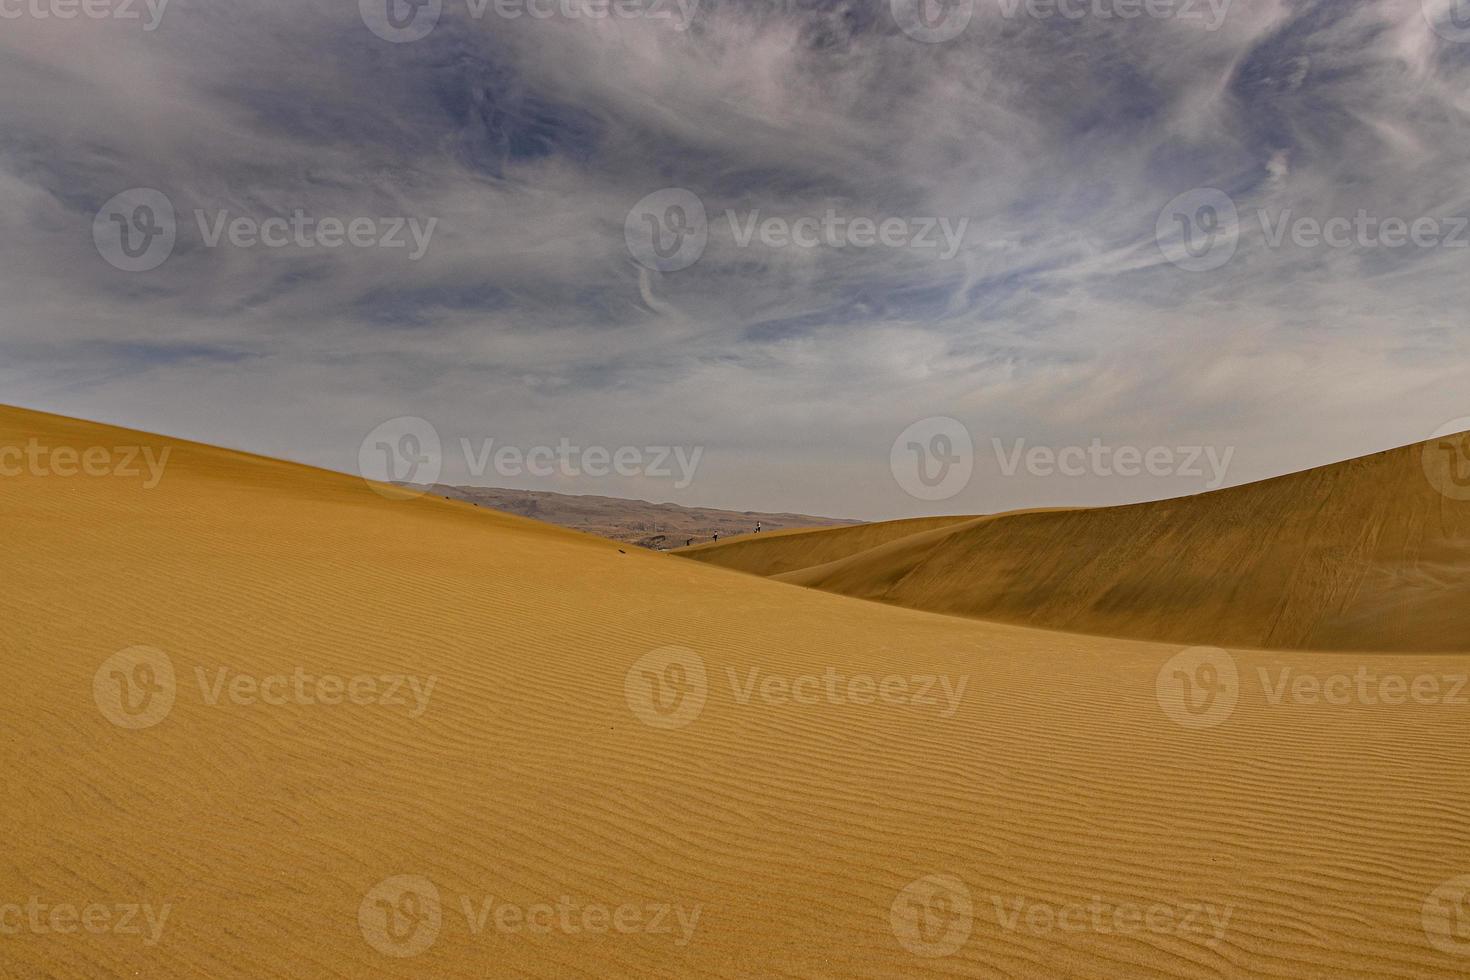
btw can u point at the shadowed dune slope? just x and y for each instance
(1364, 554)
(780, 834)
(786, 551)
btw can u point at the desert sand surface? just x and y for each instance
(763, 555)
(629, 765)
(659, 526)
(1368, 554)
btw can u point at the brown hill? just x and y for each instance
(639, 522)
(1364, 554)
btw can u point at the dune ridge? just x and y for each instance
(796, 828)
(1368, 554)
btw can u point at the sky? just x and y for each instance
(862, 259)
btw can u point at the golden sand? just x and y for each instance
(1370, 554)
(631, 765)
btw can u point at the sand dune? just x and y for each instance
(632, 738)
(1362, 555)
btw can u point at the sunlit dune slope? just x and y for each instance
(1365, 554)
(732, 818)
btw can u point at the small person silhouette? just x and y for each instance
(717, 535)
(757, 527)
(688, 542)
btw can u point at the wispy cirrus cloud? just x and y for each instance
(1057, 141)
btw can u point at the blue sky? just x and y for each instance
(1058, 141)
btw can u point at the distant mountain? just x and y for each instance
(638, 522)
